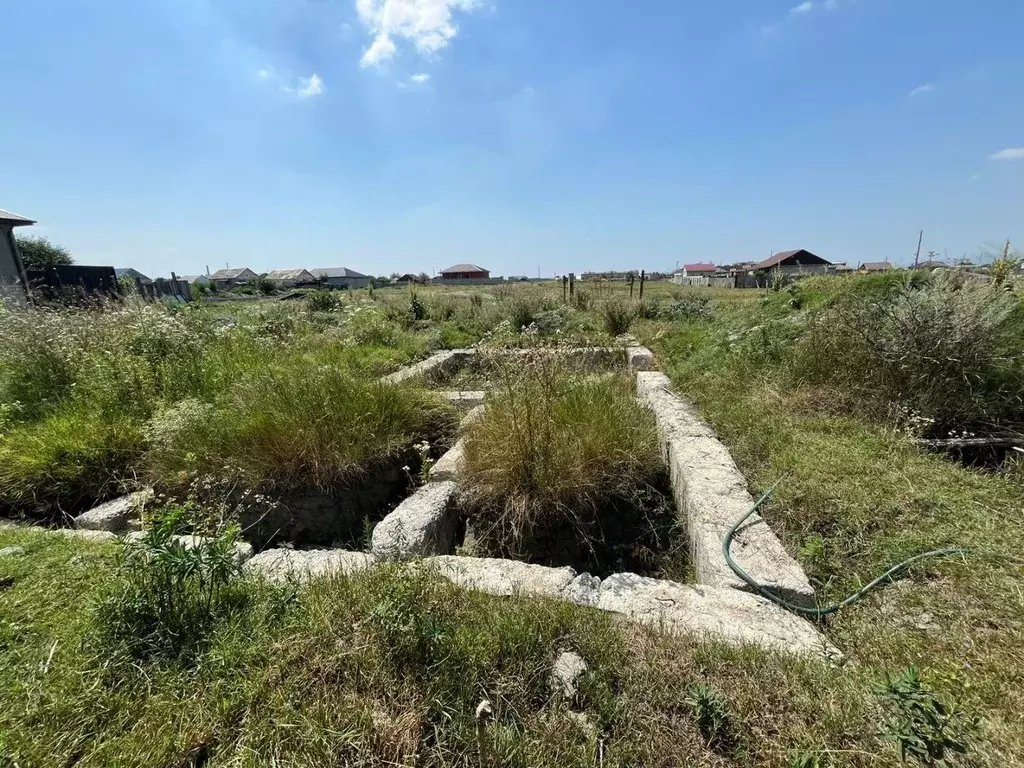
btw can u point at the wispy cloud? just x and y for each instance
(304, 87)
(427, 24)
(801, 10)
(310, 86)
(922, 89)
(1012, 153)
(804, 7)
(422, 77)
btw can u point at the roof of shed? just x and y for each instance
(328, 272)
(289, 274)
(230, 274)
(876, 266)
(464, 268)
(130, 272)
(14, 219)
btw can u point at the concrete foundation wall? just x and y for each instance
(712, 493)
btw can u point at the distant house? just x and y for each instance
(792, 262)
(875, 266)
(289, 278)
(13, 280)
(227, 278)
(133, 274)
(465, 272)
(340, 277)
(409, 278)
(841, 268)
(195, 279)
(689, 270)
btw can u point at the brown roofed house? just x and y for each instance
(465, 272)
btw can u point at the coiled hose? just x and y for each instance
(767, 593)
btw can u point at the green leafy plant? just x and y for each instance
(170, 594)
(927, 729)
(711, 711)
(417, 309)
(265, 286)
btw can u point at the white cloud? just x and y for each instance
(310, 86)
(1013, 153)
(427, 24)
(264, 74)
(805, 7)
(422, 77)
(922, 89)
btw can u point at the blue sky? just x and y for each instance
(407, 135)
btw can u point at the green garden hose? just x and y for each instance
(767, 593)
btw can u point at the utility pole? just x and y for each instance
(917, 254)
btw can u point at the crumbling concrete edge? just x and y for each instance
(712, 494)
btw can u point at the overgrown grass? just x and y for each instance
(859, 495)
(559, 451)
(79, 389)
(388, 667)
(292, 426)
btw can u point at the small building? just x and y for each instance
(689, 271)
(410, 279)
(465, 272)
(195, 279)
(792, 262)
(289, 278)
(132, 274)
(841, 268)
(228, 278)
(13, 280)
(875, 266)
(340, 277)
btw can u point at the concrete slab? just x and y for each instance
(465, 399)
(717, 613)
(712, 493)
(303, 565)
(439, 362)
(423, 524)
(113, 516)
(511, 577)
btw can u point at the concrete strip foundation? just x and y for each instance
(423, 524)
(439, 362)
(465, 400)
(449, 466)
(303, 565)
(711, 491)
(639, 358)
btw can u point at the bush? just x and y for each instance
(582, 300)
(522, 312)
(687, 308)
(322, 301)
(947, 354)
(265, 286)
(40, 253)
(617, 317)
(168, 598)
(553, 448)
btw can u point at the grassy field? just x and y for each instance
(389, 667)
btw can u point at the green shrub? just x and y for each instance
(442, 308)
(711, 711)
(687, 308)
(322, 301)
(417, 309)
(168, 597)
(617, 316)
(522, 312)
(265, 286)
(648, 309)
(554, 447)
(947, 354)
(582, 300)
